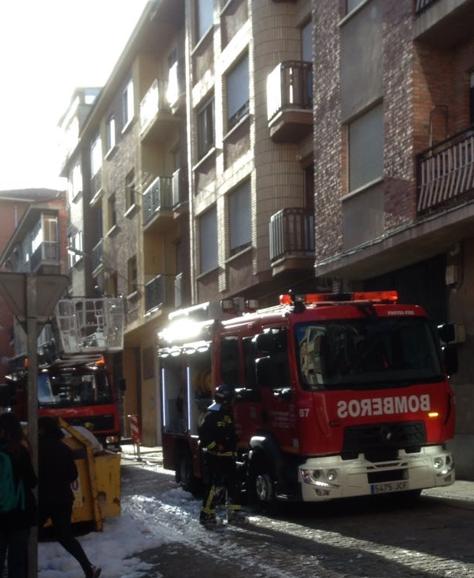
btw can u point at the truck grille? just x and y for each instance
(381, 442)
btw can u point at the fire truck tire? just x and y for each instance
(184, 474)
(260, 482)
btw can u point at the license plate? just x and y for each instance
(386, 487)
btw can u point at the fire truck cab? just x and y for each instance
(337, 395)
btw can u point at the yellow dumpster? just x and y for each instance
(97, 488)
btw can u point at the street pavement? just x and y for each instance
(350, 539)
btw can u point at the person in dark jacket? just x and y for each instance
(57, 471)
(15, 523)
(218, 441)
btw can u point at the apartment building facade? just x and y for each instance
(129, 225)
(249, 121)
(394, 162)
(37, 244)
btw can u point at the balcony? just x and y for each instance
(159, 292)
(445, 173)
(157, 200)
(291, 239)
(97, 257)
(290, 101)
(444, 23)
(46, 256)
(156, 119)
(179, 189)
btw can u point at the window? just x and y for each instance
(110, 143)
(366, 138)
(132, 275)
(205, 128)
(204, 17)
(306, 42)
(208, 240)
(96, 156)
(238, 92)
(75, 183)
(352, 5)
(111, 212)
(75, 252)
(240, 218)
(130, 190)
(128, 108)
(230, 361)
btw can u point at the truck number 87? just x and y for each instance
(304, 411)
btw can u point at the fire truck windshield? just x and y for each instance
(370, 352)
(70, 389)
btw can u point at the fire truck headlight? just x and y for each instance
(438, 463)
(332, 475)
(316, 474)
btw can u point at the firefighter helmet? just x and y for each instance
(224, 393)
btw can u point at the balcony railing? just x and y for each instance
(446, 172)
(156, 198)
(179, 187)
(97, 256)
(46, 254)
(291, 234)
(289, 85)
(153, 102)
(160, 291)
(421, 5)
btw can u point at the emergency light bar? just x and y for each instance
(312, 298)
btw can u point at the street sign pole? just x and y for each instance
(32, 345)
(32, 299)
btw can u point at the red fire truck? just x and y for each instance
(337, 395)
(75, 383)
(80, 391)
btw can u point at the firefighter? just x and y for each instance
(219, 444)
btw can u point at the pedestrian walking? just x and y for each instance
(218, 441)
(57, 471)
(17, 503)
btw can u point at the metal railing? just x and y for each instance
(179, 187)
(160, 291)
(156, 198)
(290, 85)
(46, 253)
(291, 233)
(445, 172)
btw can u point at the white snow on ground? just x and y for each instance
(113, 550)
(145, 523)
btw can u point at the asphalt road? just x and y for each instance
(432, 537)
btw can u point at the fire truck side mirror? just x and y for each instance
(450, 356)
(122, 383)
(447, 332)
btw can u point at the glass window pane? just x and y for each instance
(366, 138)
(204, 16)
(240, 217)
(306, 43)
(208, 240)
(238, 91)
(352, 4)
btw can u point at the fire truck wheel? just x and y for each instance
(260, 483)
(184, 474)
